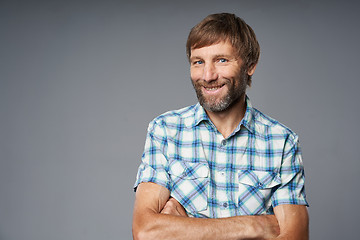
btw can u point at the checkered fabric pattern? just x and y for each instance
(256, 168)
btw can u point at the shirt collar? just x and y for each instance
(248, 120)
(200, 115)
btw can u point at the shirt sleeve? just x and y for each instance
(154, 164)
(292, 188)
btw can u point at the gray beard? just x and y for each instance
(212, 105)
(234, 95)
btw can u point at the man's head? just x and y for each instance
(219, 76)
(225, 27)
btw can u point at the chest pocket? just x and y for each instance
(190, 184)
(255, 191)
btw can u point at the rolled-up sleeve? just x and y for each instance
(154, 164)
(292, 188)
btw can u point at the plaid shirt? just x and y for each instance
(256, 168)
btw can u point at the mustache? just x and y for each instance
(211, 84)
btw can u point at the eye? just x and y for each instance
(198, 62)
(222, 60)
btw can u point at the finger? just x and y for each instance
(165, 210)
(179, 208)
(170, 209)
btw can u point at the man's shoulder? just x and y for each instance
(264, 124)
(177, 117)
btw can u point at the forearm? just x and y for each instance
(293, 221)
(290, 237)
(163, 226)
(150, 222)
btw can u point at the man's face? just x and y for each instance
(218, 76)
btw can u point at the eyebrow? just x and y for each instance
(223, 55)
(216, 56)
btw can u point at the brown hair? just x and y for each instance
(220, 27)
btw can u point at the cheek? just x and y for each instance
(195, 74)
(228, 73)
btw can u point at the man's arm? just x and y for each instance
(149, 223)
(173, 207)
(293, 221)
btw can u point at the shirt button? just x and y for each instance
(225, 205)
(223, 142)
(222, 174)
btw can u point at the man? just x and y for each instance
(220, 169)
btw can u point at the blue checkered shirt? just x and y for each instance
(255, 169)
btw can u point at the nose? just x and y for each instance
(209, 72)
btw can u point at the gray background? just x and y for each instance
(80, 80)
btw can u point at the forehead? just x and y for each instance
(220, 48)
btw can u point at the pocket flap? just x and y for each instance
(259, 179)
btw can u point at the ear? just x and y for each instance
(251, 70)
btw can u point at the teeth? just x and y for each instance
(212, 89)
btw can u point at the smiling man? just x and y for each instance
(220, 169)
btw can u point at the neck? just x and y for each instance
(227, 120)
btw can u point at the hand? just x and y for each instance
(173, 207)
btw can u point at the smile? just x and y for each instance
(214, 88)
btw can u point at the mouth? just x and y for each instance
(213, 89)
